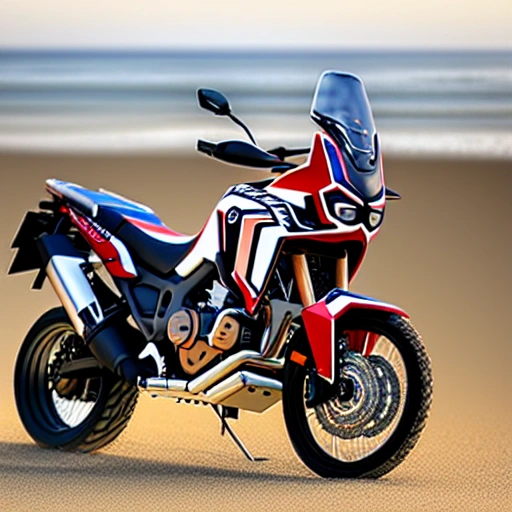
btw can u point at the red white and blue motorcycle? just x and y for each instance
(254, 310)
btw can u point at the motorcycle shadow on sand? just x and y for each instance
(26, 461)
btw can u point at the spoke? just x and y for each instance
(72, 410)
(351, 431)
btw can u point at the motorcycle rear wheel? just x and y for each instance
(328, 438)
(79, 415)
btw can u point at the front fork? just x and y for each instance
(320, 390)
(303, 277)
(321, 316)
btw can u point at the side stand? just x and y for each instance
(226, 427)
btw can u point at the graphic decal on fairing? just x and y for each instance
(112, 251)
(248, 237)
(262, 232)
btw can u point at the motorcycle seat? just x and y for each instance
(150, 242)
(154, 245)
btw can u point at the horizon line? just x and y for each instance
(267, 50)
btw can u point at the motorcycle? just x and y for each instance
(252, 311)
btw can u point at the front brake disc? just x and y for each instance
(348, 419)
(389, 396)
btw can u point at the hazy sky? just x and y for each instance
(258, 23)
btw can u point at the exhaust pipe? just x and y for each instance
(64, 270)
(244, 390)
(112, 341)
(212, 376)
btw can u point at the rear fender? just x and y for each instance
(28, 257)
(320, 321)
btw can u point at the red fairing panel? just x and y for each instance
(320, 320)
(112, 251)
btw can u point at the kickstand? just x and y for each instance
(226, 427)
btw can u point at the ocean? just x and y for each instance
(424, 103)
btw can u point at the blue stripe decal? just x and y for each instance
(337, 170)
(103, 199)
(338, 292)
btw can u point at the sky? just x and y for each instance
(232, 24)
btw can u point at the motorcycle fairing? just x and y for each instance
(320, 321)
(245, 233)
(250, 225)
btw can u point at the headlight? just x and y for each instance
(374, 218)
(345, 212)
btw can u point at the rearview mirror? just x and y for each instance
(214, 101)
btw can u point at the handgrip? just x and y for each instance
(206, 147)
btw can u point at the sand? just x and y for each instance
(444, 254)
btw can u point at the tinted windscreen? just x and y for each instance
(341, 98)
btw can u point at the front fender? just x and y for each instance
(320, 320)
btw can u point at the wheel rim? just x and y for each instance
(70, 401)
(352, 430)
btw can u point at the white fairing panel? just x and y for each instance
(265, 252)
(207, 246)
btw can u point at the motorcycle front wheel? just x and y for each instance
(80, 414)
(368, 426)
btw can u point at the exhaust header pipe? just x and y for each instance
(244, 389)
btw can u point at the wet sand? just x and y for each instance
(444, 255)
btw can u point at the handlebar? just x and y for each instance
(281, 152)
(243, 153)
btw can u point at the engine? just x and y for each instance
(207, 330)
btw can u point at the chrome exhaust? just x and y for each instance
(230, 364)
(74, 291)
(246, 389)
(64, 266)
(243, 390)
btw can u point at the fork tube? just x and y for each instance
(303, 279)
(342, 272)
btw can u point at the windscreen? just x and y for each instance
(341, 100)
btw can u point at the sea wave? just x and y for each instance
(395, 143)
(424, 103)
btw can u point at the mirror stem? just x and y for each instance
(246, 129)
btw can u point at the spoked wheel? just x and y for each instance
(76, 414)
(373, 417)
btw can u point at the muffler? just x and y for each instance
(64, 265)
(112, 341)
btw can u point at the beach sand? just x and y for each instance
(444, 255)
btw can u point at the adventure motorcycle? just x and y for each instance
(253, 310)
